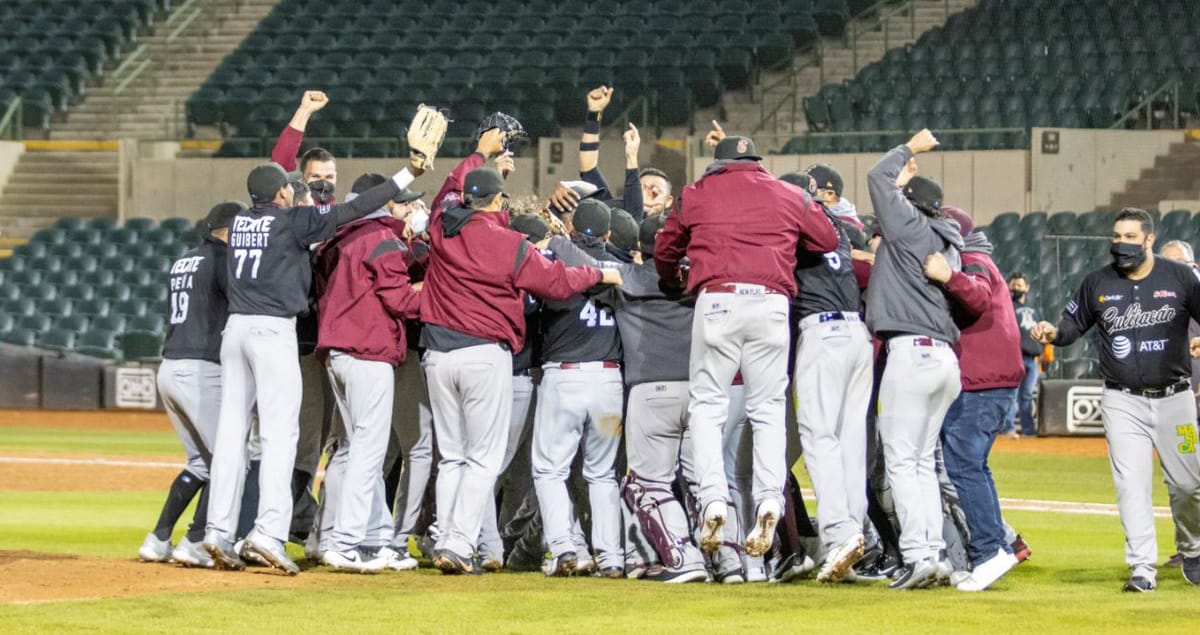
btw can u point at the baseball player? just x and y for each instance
(740, 227)
(473, 306)
(269, 278)
(589, 158)
(832, 384)
(911, 316)
(1141, 305)
(829, 192)
(990, 357)
(364, 297)
(580, 399)
(189, 381)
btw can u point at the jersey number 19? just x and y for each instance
(179, 307)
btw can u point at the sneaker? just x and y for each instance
(695, 573)
(192, 554)
(1174, 561)
(271, 550)
(450, 563)
(841, 559)
(736, 576)
(756, 573)
(1191, 569)
(711, 536)
(612, 573)
(636, 570)
(585, 566)
(1021, 550)
(917, 575)
(957, 577)
(222, 552)
(759, 540)
(791, 568)
(396, 560)
(560, 566)
(252, 559)
(945, 570)
(988, 571)
(1138, 584)
(354, 561)
(493, 563)
(1011, 434)
(154, 550)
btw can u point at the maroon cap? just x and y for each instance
(965, 224)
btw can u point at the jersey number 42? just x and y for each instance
(596, 317)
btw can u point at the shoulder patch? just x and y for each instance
(386, 247)
(975, 268)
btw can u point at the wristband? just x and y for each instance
(590, 146)
(591, 124)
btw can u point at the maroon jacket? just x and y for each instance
(990, 344)
(363, 291)
(287, 148)
(739, 223)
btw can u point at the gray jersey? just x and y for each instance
(196, 304)
(656, 333)
(575, 329)
(900, 299)
(826, 282)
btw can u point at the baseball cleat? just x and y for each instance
(636, 570)
(252, 559)
(711, 536)
(792, 567)
(612, 573)
(1138, 584)
(1020, 549)
(154, 550)
(917, 575)
(988, 571)
(450, 563)
(493, 564)
(270, 550)
(945, 569)
(756, 573)
(192, 554)
(676, 576)
(222, 552)
(841, 559)
(759, 540)
(396, 560)
(354, 561)
(958, 577)
(560, 566)
(585, 566)
(1191, 569)
(1175, 560)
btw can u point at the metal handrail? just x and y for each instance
(128, 61)
(884, 13)
(1147, 104)
(642, 102)
(12, 124)
(184, 25)
(180, 10)
(771, 143)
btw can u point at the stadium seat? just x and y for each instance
(102, 344)
(19, 336)
(56, 340)
(141, 345)
(114, 323)
(73, 323)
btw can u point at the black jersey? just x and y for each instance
(196, 303)
(1142, 324)
(826, 282)
(577, 329)
(531, 354)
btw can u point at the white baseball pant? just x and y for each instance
(413, 423)
(191, 392)
(490, 543)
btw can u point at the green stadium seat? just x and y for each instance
(102, 344)
(141, 345)
(117, 264)
(150, 323)
(35, 322)
(1061, 223)
(25, 277)
(97, 307)
(69, 223)
(56, 307)
(6, 322)
(129, 308)
(151, 293)
(73, 323)
(56, 340)
(177, 225)
(30, 250)
(19, 337)
(114, 323)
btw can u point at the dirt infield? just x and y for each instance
(27, 576)
(43, 472)
(134, 421)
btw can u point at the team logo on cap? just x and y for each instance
(741, 146)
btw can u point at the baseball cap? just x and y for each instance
(531, 225)
(265, 181)
(366, 182)
(624, 230)
(407, 196)
(965, 224)
(924, 193)
(800, 180)
(731, 148)
(592, 218)
(221, 215)
(483, 183)
(826, 177)
(649, 231)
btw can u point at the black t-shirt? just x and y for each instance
(196, 303)
(1143, 324)
(578, 330)
(826, 282)
(269, 268)
(530, 355)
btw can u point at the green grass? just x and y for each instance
(105, 442)
(1072, 583)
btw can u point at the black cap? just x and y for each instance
(624, 230)
(649, 231)
(482, 184)
(531, 225)
(826, 177)
(265, 181)
(800, 180)
(592, 218)
(924, 193)
(407, 196)
(731, 148)
(221, 215)
(366, 182)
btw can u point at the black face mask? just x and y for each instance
(1127, 256)
(1018, 296)
(322, 191)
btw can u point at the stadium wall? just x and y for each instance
(1090, 166)
(10, 153)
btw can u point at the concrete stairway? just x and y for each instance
(202, 33)
(46, 185)
(1175, 176)
(744, 110)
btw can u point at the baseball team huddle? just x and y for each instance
(606, 382)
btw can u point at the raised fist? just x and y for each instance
(923, 141)
(313, 101)
(598, 98)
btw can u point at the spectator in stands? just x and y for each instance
(1027, 317)
(317, 166)
(829, 192)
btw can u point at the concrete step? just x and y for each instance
(68, 178)
(67, 201)
(56, 210)
(17, 192)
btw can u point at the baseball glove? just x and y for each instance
(553, 222)
(425, 136)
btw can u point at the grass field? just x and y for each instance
(76, 543)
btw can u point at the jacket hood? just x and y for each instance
(977, 242)
(725, 164)
(454, 219)
(844, 208)
(947, 229)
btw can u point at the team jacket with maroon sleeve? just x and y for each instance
(479, 272)
(739, 223)
(990, 341)
(363, 291)
(287, 147)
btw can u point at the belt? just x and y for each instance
(741, 289)
(1152, 393)
(830, 316)
(583, 365)
(915, 340)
